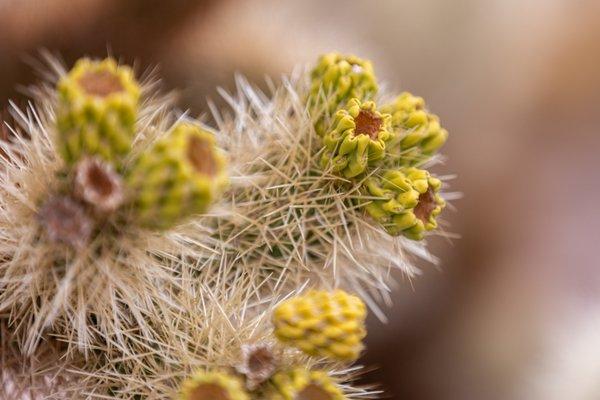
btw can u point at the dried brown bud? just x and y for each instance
(65, 221)
(258, 364)
(97, 183)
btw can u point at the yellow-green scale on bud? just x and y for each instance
(181, 175)
(213, 385)
(97, 111)
(357, 138)
(407, 201)
(340, 78)
(304, 384)
(418, 132)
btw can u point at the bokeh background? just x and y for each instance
(512, 311)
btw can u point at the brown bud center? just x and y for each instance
(426, 205)
(209, 391)
(201, 157)
(367, 123)
(98, 184)
(100, 181)
(100, 83)
(313, 392)
(260, 359)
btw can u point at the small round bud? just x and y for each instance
(324, 324)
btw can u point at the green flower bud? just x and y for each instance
(418, 132)
(357, 139)
(406, 201)
(98, 103)
(341, 78)
(180, 175)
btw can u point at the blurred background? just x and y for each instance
(513, 309)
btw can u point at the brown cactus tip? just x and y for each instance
(313, 391)
(426, 205)
(200, 155)
(65, 221)
(97, 183)
(258, 364)
(208, 391)
(100, 83)
(368, 123)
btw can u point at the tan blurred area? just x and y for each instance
(513, 309)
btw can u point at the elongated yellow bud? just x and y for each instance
(181, 175)
(98, 105)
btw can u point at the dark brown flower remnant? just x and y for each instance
(98, 184)
(258, 364)
(426, 205)
(65, 221)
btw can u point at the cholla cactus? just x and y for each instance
(323, 324)
(418, 132)
(72, 261)
(179, 176)
(289, 219)
(94, 251)
(213, 386)
(357, 138)
(98, 103)
(303, 384)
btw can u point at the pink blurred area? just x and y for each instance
(512, 311)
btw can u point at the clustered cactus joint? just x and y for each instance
(113, 175)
